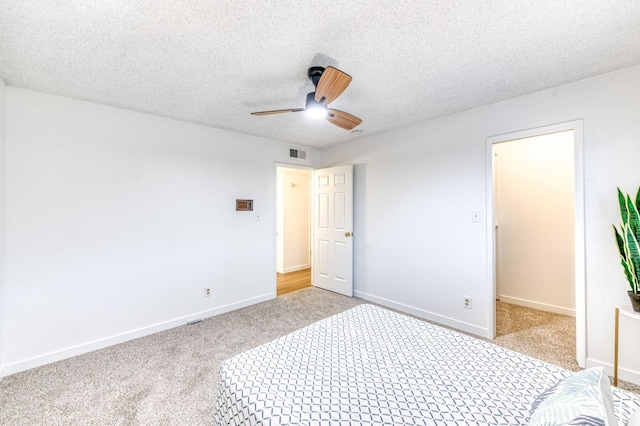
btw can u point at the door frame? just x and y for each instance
(277, 165)
(579, 226)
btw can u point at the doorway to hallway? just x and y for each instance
(293, 229)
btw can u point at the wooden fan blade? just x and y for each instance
(342, 119)
(277, 111)
(332, 83)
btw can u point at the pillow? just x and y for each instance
(584, 398)
(634, 420)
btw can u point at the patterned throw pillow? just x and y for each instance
(584, 398)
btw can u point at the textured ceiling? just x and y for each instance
(213, 62)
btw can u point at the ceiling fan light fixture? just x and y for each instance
(316, 112)
(313, 108)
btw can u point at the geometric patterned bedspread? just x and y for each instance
(369, 365)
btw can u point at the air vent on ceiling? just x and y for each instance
(297, 153)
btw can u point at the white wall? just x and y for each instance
(3, 89)
(117, 220)
(415, 188)
(534, 197)
(294, 221)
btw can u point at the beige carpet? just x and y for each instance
(543, 335)
(170, 378)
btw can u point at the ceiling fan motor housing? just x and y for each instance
(314, 74)
(314, 108)
(312, 103)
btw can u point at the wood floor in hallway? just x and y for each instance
(294, 281)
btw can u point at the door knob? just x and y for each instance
(347, 234)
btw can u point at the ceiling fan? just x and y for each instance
(329, 83)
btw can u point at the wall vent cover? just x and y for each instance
(297, 153)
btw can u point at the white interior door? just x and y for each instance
(333, 229)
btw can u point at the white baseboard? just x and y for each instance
(296, 268)
(625, 374)
(537, 305)
(26, 364)
(440, 319)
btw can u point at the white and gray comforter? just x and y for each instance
(369, 365)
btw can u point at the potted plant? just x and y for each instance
(627, 238)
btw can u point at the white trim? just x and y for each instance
(579, 226)
(490, 234)
(579, 248)
(537, 305)
(440, 319)
(296, 268)
(69, 352)
(292, 166)
(625, 374)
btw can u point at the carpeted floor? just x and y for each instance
(170, 378)
(543, 335)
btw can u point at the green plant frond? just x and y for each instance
(634, 218)
(623, 207)
(620, 242)
(629, 275)
(628, 265)
(628, 237)
(633, 256)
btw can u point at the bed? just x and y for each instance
(369, 365)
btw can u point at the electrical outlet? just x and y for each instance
(207, 291)
(466, 302)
